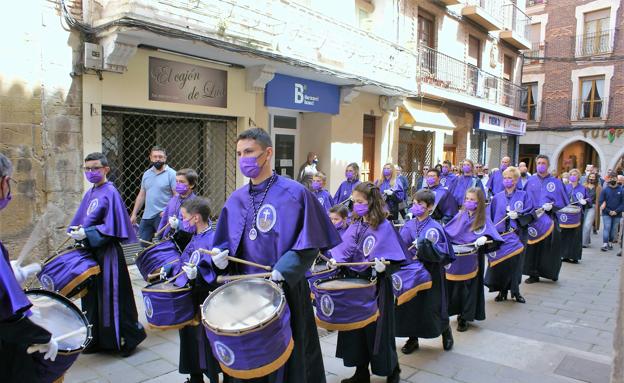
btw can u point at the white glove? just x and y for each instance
(162, 274)
(583, 202)
(190, 270)
(481, 241)
(220, 260)
(415, 244)
(22, 273)
(78, 234)
(174, 222)
(547, 206)
(332, 264)
(276, 276)
(512, 214)
(379, 265)
(49, 349)
(389, 192)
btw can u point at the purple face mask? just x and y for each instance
(339, 225)
(387, 172)
(507, 183)
(417, 210)
(431, 181)
(349, 174)
(541, 168)
(471, 205)
(249, 166)
(466, 168)
(187, 226)
(317, 185)
(573, 178)
(94, 176)
(503, 167)
(360, 209)
(181, 188)
(445, 170)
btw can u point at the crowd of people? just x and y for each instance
(410, 254)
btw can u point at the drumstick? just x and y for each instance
(69, 334)
(472, 244)
(226, 278)
(234, 259)
(62, 244)
(159, 232)
(323, 257)
(147, 242)
(359, 263)
(502, 220)
(174, 277)
(579, 201)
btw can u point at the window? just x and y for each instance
(596, 38)
(591, 101)
(474, 51)
(363, 11)
(508, 67)
(426, 29)
(529, 101)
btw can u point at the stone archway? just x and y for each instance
(579, 151)
(618, 159)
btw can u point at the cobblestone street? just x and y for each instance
(563, 333)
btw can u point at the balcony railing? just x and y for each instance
(454, 75)
(595, 43)
(535, 2)
(516, 20)
(493, 7)
(583, 110)
(535, 55)
(534, 111)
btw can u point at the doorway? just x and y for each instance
(285, 135)
(368, 155)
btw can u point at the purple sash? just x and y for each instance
(68, 272)
(168, 306)
(511, 247)
(345, 303)
(569, 217)
(464, 267)
(409, 280)
(540, 228)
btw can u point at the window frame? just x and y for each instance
(592, 100)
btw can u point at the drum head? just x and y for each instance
(342, 283)
(242, 305)
(59, 316)
(460, 249)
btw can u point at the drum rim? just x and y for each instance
(277, 314)
(464, 254)
(72, 306)
(371, 282)
(178, 289)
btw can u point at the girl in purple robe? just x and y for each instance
(572, 238)
(426, 315)
(186, 179)
(371, 237)
(392, 190)
(317, 187)
(471, 228)
(352, 174)
(512, 211)
(464, 182)
(102, 224)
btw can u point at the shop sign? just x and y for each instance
(500, 124)
(173, 81)
(301, 94)
(610, 134)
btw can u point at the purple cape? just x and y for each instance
(576, 194)
(344, 191)
(324, 199)
(459, 232)
(13, 301)
(444, 201)
(173, 208)
(447, 181)
(201, 260)
(495, 182)
(363, 243)
(290, 218)
(519, 201)
(428, 229)
(461, 184)
(547, 189)
(398, 188)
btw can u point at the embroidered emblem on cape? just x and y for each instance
(532, 232)
(327, 305)
(267, 217)
(579, 196)
(321, 201)
(491, 255)
(194, 258)
(368, 245)
(149, 310)
(46, 282)
(479, 231)
(518, 205)
(563, 218)
(432, 235)
(443, 182)
(92, 206)
(397, 282)
(550, 187)
(224, 353)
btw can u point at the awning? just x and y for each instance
(421, 119)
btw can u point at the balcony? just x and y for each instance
(445, 77)
(250, 32)
(534, 55)
(516, 27)
(594, 44)
(487, 13)
(590, 111)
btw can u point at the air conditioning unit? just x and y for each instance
(93, 56)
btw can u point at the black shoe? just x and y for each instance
(447, 339)
(395, 377)
(502, 296)
(410, 346)
(574, 261)
(530, 280)
(585, 246)
(518, 298)
(127, 351)
(604, 248)
(462, 325)
(361, 376)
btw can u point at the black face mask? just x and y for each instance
(612, 183)
(480, 175)
(158, 164)
(522, 174)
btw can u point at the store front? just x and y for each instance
(495, 137)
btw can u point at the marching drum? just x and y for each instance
(409, 280)
(68, 272)
(319, 271)
(465, 265)
(168, 306)
(155, 256)
(540, 228)
(569, 217)
(248, 324)
(68, 326)
(510, 248)
(345, 303)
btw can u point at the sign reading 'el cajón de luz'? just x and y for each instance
(183, 83)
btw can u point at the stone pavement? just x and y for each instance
(564, 333)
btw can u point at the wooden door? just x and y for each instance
(368, 155)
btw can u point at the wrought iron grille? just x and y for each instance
(415, 151)
(497, 147)
(204, 143)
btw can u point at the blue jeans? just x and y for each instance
(609, 230)
(147, 228)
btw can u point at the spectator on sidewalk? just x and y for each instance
(157, 187)
(308, 170)
(593, 191)
(611, 206)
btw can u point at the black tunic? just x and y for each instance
(572, 243)
(16, 334)
(467, 298)
(543, 259)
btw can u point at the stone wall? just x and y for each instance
(40, 124)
